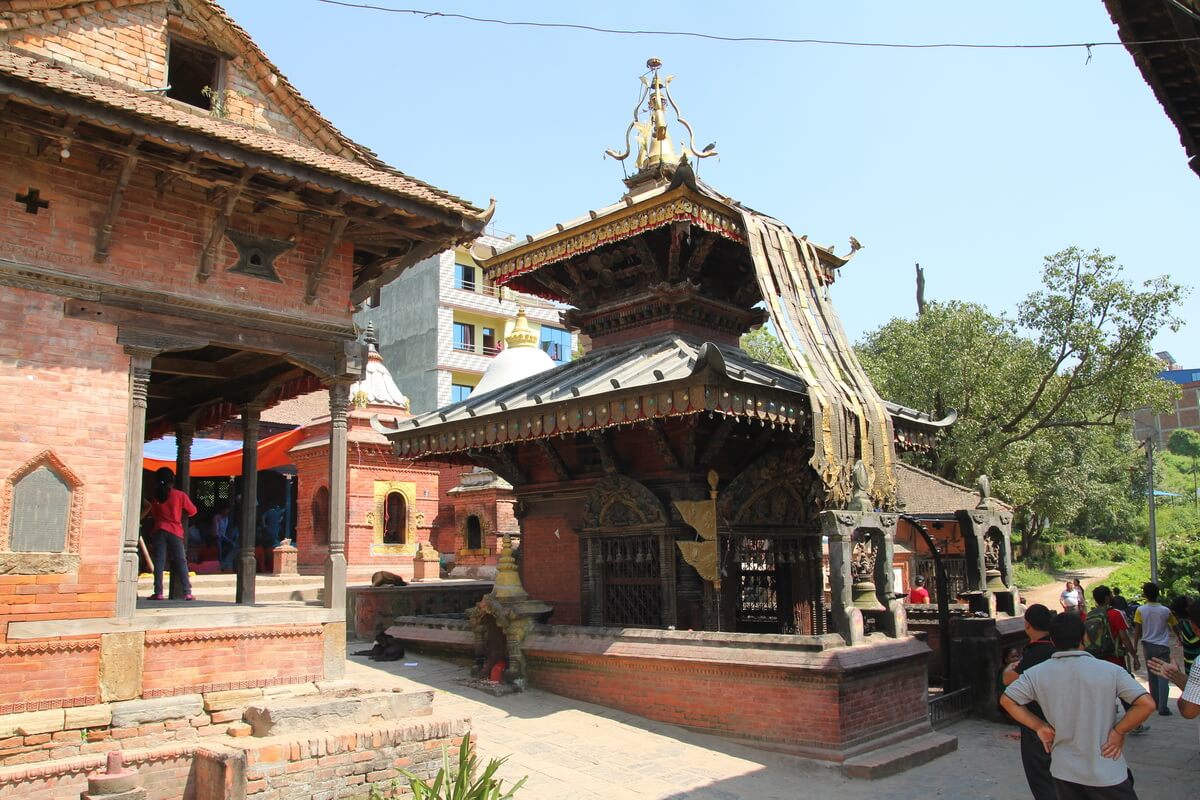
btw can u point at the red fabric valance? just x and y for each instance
(272, 452)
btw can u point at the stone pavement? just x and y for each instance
(570, 749)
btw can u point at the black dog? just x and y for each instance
(387, 648)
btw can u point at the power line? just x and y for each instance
(767, 39)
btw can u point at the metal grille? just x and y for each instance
(632, 586)
(41, 503)
(948, 707)
(956, 576)
(210, 494)
(766, 603)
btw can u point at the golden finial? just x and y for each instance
(655, 152)
(521, 336)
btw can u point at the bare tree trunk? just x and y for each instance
(920, 290)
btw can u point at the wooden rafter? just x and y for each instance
(318, 270)
(209, 256)
(554, 459)
(670, 460)
(105, 231)
(678, 231)
(700, 253)
(608, 460)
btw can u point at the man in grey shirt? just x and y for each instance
(1078, 694)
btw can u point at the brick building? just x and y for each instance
(170, 257)
(1184, 416)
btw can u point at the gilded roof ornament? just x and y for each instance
(521, 335)
(656, 155)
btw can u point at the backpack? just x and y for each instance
(1100, 642)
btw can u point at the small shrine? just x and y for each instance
(678, 499)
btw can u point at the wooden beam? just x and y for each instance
(105, 231)
(189, 367)
(607, 459)
(209, 256)
(554, 459)
(700, 253)
(716, 442)
(318, 270)
(678, 230)
(670, 460)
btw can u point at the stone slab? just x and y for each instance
(333, 641)
(121, 665)
(31, 723)
(159, 709)
(98, 716)
(899, 757)
(309, 713)
(232, 698)
(290, 690)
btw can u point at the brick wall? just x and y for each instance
(157, 240)
(41, 675)
(550, 565)
(164, 770)
(183, 662)
(129, 45)
(42, 409)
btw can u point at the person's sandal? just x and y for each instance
(156, 597)
(189, 596)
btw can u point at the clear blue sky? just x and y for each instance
(974, 163)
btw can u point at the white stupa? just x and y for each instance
(520, 359)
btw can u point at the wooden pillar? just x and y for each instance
(184, 433)
(247, 566)
(131, 515)
(335, 562)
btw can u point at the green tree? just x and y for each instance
(762, 345)
(1043, 397)
(1186, 445)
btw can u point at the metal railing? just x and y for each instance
(949, 707)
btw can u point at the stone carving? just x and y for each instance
(860, 498)
(47, 459)
(864, 552)
(992, 547)
(617, 501)
(257, 254)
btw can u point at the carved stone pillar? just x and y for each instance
(987, 533)
(335, 562)
(184, 433)
(838, 527)
(247, 565)
(131, 515)
(876, 533)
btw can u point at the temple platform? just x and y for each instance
(810, 696)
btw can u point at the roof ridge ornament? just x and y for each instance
(656, 156)
(521, 335)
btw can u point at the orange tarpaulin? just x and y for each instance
(272, 452)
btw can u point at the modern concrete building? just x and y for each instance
(1185, 414)
(440, 324)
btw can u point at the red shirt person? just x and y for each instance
(166, 508)
(919, 593)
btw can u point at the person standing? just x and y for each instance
(166, 510)
(1069, 599)
(1189, 636)
(1082, 599)
(1107, 634)
(1152, 626)
(1189, 682)
(1081, 731)
(1034, 757)
(919, 593)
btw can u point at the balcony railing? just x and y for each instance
(480, 350)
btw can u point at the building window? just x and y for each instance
(557, 343)
(395, 518)
(320, 515)
(40, 513)
(459, 392)
(474, 533)
(193, 75)
(464, 337)
(489, 342)
(464, 277)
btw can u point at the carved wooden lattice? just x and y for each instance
(776, 576)
(632, 590)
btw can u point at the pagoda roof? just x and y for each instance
(665, 376)
(643, 209)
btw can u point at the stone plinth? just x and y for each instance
(291, 715)
(370, 609)
(283, 559)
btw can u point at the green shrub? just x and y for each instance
(1130, 577)
(1179, 566)
(460, 782)
(1027, 577)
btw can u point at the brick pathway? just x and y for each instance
(572, 750)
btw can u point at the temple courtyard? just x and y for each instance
(575, 750)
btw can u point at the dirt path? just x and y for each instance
(1048, 594)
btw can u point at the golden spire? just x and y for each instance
(521, 336)
(656, 155)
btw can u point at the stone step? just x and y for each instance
(900, 756)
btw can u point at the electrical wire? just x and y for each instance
(762, 39)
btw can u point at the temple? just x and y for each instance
(702, 525)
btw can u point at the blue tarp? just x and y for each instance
(164, 449)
